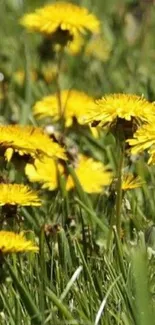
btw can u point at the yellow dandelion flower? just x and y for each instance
(19, 76)
(28, 140)
(92, 175)
(111, 108)
(74, 47)
(18, 194)
(49, 72)
(44, 171)
(144, 138)
(131, 182)
(61, 16)
(11, 242)
(74, 104)
(98, 47)
(50, 46)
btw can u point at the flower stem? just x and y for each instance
(59, 64)
(28, 87)
(119, 189)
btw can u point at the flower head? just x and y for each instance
(74, 105)
(98, 47)
(61, 16)
(44, 171)
(19, 76)
(49, 72)
(92, 175)
(28, 140)
(131, 182)
(122, 110)
(144, 138)
(74, 47)
(18, 194)
(11, 242)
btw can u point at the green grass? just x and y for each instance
(84, 274)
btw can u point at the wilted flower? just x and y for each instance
(131, 182)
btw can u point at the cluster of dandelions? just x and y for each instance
(22, 143)
(44, 152)
(26, 141)
(129, 117)
(62, 24)
(13, 195)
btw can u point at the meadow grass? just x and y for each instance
(86, 272)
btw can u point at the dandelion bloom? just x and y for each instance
(44, 171)
(92, 175)
(76, 45)
(98, 47)
(18, 194)
(28, 140)
(11, 242)
(122, 110)
(62, 16)
(49, 72)
(144, 138)
(74, 105)
(131, 182)
(20, 76)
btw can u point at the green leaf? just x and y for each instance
(26, 298)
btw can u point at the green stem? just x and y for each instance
(112, 222)
(119, 189)
(27, 106)
(59, 64)
(42, 274)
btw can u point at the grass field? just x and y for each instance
(91, 213)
